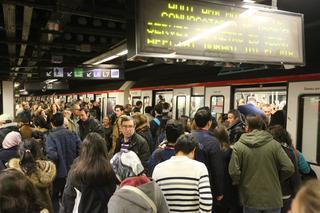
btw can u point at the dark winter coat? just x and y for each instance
(235, 131)
(90, 125)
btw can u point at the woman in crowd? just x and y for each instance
(143, 129)
(91, 180)
(10, 146)
(18, 194)
(40, 172)
(137, 192)
(307, 199)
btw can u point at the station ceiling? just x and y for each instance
(33, 32)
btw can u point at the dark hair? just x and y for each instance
(29, 153)
(17, 193)
(158, 108)
(148, 109)
(202, 117)
(173, 130)
(280, 134)
(119, 106)
(279, 118)
(138, 103)
(220, 132)
(185, 144)
(236, 113)
(93, 167)
(57, 119)
(85, 109)
(255, 122)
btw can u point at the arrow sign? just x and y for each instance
(89, 74)
(49, 74)
(58, 72)
(69, 74)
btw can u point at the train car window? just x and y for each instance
(275, 97)
(309, 127)
(217, 105)
(195, 103)
(164, 96)
(135, 99)
(181, 106)
(146, 102)
(111, 103)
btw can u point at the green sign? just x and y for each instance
(78, 72)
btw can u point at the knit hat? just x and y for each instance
(126, 164)
(12, 139)
(5, 118)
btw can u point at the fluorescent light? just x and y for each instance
(124, 52)
(16, 84)
(249, 1)
(50, 81)
(105, 59)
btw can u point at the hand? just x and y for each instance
(219, 197)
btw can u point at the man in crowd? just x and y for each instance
(88, 124)
(235, 125)
(137, 107)
(118, 112)
(62, 147)
(257, 165)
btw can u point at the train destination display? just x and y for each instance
(202, 30)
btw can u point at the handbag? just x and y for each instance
(143, 195)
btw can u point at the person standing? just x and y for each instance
(88, 124)
(257, 165)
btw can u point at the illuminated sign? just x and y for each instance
(202, 30)
(101, 72)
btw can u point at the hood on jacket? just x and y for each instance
(149, 189)
(256, 138)
(42, 177)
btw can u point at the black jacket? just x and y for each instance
(145, 132)
(139, 145)
(235, 131)
(210, 154)
(90, 125)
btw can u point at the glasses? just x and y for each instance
(127, 126)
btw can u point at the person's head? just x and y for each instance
(29, 152)
(221, 134)
(5, 118)
(57, 119)
(106, 121)
(25, 105)
(186, 145)
(139, 104)
(75, 109)
(233, 116)
(84, 114)
(93, 166)
(12, 139)
(307, 198)
(148, 109)
(158, 109)
(255, 122)
(173, 130)
(140, 120)
(127, 126)
(267, 109)
(126, 164)
(280, 134)
(279, 117)
(118, 110)
(203, 119)
(54, 108)
(17, 193)
(127, 109)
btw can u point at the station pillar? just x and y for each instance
(7, 98)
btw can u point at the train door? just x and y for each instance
(196, 100)
(146, 99)
(135, 95)
(218, 99)
(303, 119)
(163, 96)
(181, 102)
(113, 99)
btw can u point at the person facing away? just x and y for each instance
(143, 129)
(137, 107)
(137, 192)
(18, 194)
(91, 180)
(257, 165)
(10, 147)
(40, 172)
(307, 198)
(88, 124)
(209, 152)
(62, 147)
(133, 141)
(173, 131)
(183, 180)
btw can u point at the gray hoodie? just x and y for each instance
(125, 201)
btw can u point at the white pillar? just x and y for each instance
(8, 98)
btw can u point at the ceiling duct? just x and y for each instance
(9, 14)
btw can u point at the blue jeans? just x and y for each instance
(251, 210)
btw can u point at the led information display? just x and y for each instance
(202, 30)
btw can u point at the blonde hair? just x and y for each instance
(309, 197)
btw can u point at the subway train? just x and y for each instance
(300, 94)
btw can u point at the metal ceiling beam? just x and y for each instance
(27, 15)
(9, 14)
(69, 11)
